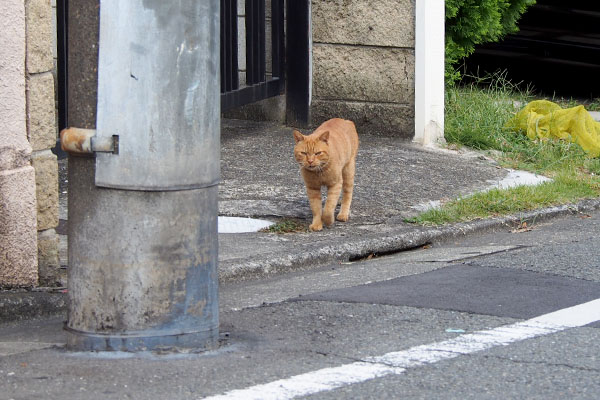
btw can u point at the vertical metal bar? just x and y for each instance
(233, 45)
(298, 61)
(249, 42)
(228, 48)
(223, 52)
(255, 41)
(255, 44)
(277, 39)
(261, 42)
(61, 47)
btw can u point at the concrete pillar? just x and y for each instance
(429, 72)
(143, 222)
(18, 230)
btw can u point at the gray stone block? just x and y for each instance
(20, 305)
(372, 118)
(18, 233)
(14, 147)
(39, 36)
(46, 182)
(41, 110)
(363, 74)
(271, 109)
(364, 22)
(50, 273)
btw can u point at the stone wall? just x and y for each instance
(41, 129)
(18, 243)
(363, 64)
(28, 169)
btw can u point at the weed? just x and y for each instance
(589, 104)
(286, 226)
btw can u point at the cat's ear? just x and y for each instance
(298, 136)
(324, 137)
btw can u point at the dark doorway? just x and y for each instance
(557, 49)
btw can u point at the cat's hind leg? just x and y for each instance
(347, 187)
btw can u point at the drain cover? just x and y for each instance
(242, 225)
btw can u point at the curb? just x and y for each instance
(15, 306)
(382, 244)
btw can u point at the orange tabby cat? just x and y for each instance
(327, 157)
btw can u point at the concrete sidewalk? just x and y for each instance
(394, 180)
(260, 178)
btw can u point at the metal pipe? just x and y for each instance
(84, 141)
(143, 219)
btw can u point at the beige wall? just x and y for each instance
(363, 64)
(18, 243)
(28, 169)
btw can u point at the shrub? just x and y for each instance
(471, 22)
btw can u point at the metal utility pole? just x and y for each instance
(143, 80)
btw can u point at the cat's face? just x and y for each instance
(312, 153)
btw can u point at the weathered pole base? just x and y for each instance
(142, 266)
(162, 341)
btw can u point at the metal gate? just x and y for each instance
(260, 81)
(263, 69)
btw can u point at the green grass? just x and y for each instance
(286, 226)
(476, 115)
(563, 189)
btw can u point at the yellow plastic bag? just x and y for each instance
(544, 119)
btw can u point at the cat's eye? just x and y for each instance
(317, 153)
(303, 153)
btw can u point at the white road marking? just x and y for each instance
(395, 363)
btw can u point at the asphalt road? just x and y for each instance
(445, 322)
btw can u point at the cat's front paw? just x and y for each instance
(316, 226)
(342, 217)
(327, 219)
